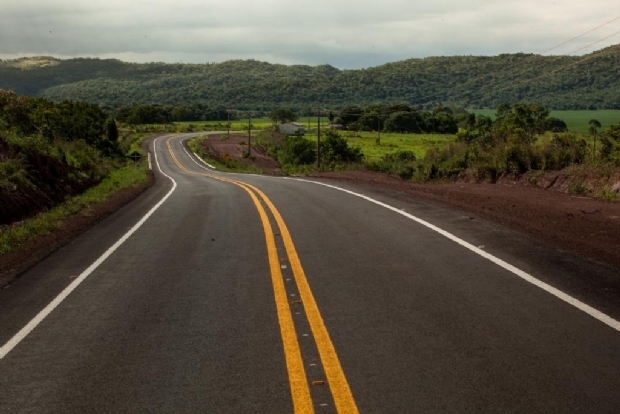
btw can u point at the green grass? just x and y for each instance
(131, 141)
(129, 176)
(576, 121)
(419, 144)
(242, 124)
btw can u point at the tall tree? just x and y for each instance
(282, 115)
(594, 126)
(111, 131)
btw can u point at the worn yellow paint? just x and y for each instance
(339, 386)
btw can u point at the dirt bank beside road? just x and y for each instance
(586, 226)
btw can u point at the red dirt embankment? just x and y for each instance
(222, 148)
(587, 226)
(36, 249)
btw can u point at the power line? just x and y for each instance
(594, 43)
(581, 35)
(531, 58)
(546, 74)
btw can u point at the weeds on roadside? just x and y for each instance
(12, 236)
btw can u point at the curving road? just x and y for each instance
(231, 293)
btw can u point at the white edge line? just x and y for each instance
(18, 337)
(200, 158)
(607, 320)
(150, 165)
(215, 169)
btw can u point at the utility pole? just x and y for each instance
(318, 141)
(250, 135)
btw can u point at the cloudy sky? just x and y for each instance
(343, 33)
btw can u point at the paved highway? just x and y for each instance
(230, 293)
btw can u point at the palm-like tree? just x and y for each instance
(594, 126)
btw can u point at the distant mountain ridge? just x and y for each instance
(559, 82)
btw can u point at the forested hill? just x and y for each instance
(560, 82)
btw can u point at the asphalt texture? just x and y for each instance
(182, 316)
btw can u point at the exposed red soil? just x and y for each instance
(34, 250)
(587, 226)
(221, 148)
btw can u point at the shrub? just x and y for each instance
(298, 150)
(399, 156)
(335, 148)
(610, 142)
(563, 150)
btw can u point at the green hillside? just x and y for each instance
(559, 82)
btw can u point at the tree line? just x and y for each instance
(164, 114)
(486, 149)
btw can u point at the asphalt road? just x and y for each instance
(249, 294)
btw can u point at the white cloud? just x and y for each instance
(343, 33)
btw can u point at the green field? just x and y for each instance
(576, 121)
(419, 144)
(242, 124)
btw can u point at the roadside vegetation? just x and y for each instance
(515, 141)
(55, 160)
(521, 139)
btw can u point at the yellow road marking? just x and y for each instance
(341, 392)
(302, 402)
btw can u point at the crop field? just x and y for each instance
(576, 121)
(242, 124)
(419, 144)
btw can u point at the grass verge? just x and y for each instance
(14, 235)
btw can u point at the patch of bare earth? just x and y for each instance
(587, 226)
(221, 148)
(36, 249)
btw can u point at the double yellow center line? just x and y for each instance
(300, 391)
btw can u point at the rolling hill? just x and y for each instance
(560, 82)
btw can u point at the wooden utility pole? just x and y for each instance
(318, 141)
(249, 135)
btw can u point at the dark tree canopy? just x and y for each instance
(559, 82)
(281, 115)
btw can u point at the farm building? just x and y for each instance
(291, 128)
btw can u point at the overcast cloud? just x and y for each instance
(343, 33)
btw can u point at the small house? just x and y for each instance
(337, 127)
(291, 128)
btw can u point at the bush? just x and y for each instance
(298, 150)
(399, 156)
(555, 125)
(335, 149)
(563, 150)
(401, 163)
(610, 142)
